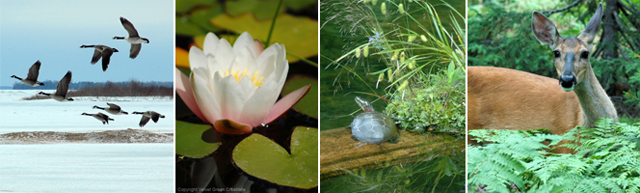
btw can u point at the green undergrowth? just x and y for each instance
(607, 160)
(437, 107)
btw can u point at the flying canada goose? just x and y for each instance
(133, 38)
(113, 109)
(32, 76)
(101, 51)
(61, 89)
(101, 117)
(148, 115)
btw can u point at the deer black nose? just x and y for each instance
(567, 81)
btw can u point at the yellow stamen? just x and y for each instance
(244, 73)
(259, 82)
(254, 76)
(236, 76)
(255, 79)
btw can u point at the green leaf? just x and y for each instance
(186, 71)
(189, 140)
(260, 157)
(263, 10)
(451, 69)
(299, 4)
(309, 103)
(299, 35)
(186, 28)
(201, 18)
(185, 5)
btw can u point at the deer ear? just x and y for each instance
(593, 26)
(544, 29)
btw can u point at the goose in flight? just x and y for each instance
(32, 76)
(101, 117)
(113, 109)
(148, 115)
(61, 89)
(101, 51)
(133, 38)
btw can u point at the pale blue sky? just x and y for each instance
(52, 31)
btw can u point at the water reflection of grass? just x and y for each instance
(432, 175)
(421, 163)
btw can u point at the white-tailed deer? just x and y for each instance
(502, 98)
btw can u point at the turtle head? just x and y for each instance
(364, 104)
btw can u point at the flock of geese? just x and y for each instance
(101, 52)
(116, 110)
(105, 52)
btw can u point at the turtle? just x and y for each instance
(371, 126)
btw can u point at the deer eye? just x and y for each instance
(584, 55)
(556, 53)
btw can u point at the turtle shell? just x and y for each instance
(373, 127)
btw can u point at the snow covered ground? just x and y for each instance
(63, 166)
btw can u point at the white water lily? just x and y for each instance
(236, 88)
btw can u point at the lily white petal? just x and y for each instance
(236, 87)
(210, 44)
(224, 54)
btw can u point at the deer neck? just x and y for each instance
(594, 101)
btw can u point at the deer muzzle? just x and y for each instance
(567, 79)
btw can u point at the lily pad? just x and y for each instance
(184, 27)
(185, 5)
(201, 17)
(193, 16)
(263, 10)
(298, 34)
(309, 103)
(189, 140)
(260, 157)
(299, 4)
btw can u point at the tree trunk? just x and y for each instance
(608, 38)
